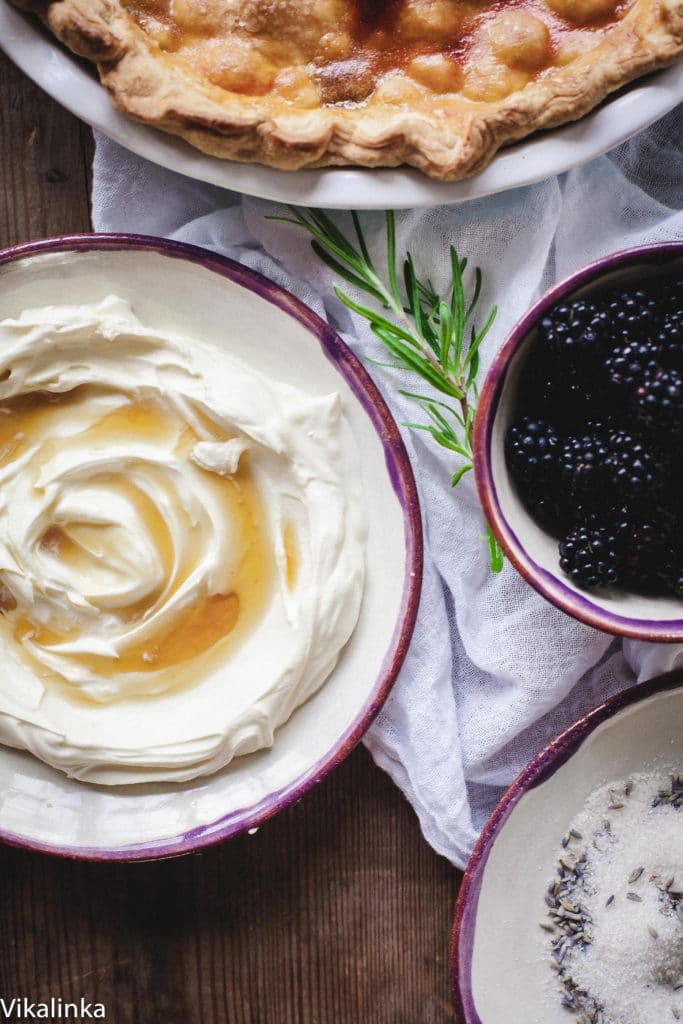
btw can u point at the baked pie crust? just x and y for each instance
(437, 84)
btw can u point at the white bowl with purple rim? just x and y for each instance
(171, 285)
(532, 550)
(500, 968)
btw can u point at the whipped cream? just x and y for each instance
(181, 546)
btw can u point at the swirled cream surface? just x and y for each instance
(181, 546)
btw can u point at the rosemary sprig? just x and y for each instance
(426, 334)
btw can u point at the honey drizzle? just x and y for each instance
(215, 620)
(289, 542)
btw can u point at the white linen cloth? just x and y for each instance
(493, 671)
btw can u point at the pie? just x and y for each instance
(437, 84)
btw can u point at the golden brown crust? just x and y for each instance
(447, 134)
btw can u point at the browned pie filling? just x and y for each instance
(323, 52)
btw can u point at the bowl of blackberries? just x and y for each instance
(579, 444)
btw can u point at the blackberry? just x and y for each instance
(648, 544)
(532, 449)
(571, 399)
(590, 556)
(632, 467)
(672, 573)
(632, 315)
(669, 292)
(658, 399)
(583, 463)
(564, 395)
(575, 331)
(671, 493)
(627, 364)
(669, 339)
(550, 512)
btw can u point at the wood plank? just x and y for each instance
(44, 153)
(335, 912)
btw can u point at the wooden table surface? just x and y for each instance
(336, 912)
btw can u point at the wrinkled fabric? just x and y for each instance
(494, 671)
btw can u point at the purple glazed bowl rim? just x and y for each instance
(542, 767)
(549, 585)
(402, 481)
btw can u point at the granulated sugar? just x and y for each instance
(616, 905)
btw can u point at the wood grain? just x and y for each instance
(336, 912)
(44, 155)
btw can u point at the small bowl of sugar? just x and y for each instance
(571, 908)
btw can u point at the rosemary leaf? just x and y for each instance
(445, 441)
(413, 295)
(457, 477)
(344, 272)
(414, 361)
(361, 239)
(475, 294)
(391, 257)
(375, 318)
(457, 305)
(446, 325)
(432, 401)
(473, 369)
(478, 338)
(496, 556)
(327, 227)
(417, 426)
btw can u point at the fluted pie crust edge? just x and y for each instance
(450, 141)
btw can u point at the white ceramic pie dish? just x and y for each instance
(172, 286)
(69, 82)
(500, 973)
